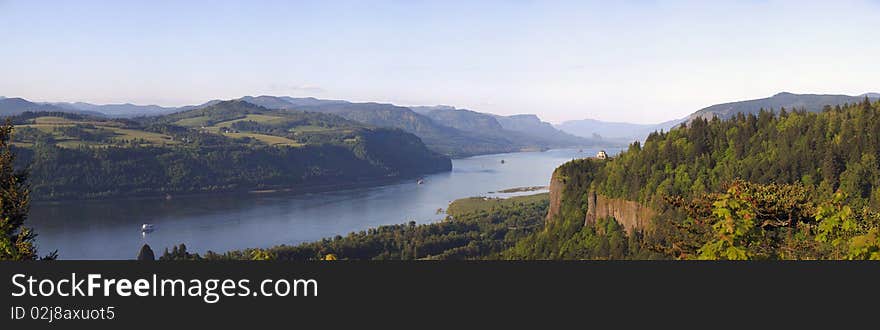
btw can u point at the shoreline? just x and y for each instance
(193, 206)
(307, 189)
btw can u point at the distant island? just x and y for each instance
(518, 189)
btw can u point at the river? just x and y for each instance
(221, 222)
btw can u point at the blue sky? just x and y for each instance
(636, 61)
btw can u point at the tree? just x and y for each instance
(179, 252)
(735, 228)
(16, 240)
(146, 253)
(865, 247)
(258, 254)
(837, 222)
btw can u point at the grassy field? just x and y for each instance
(58, 121)
(488, 204)
(150, 137)
(49, 124)
(271, 140)
(264, 138)
(193, 122)
(53, 120)
(308, 129)
(263, 119)
(269, 119)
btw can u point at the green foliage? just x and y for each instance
(481, 233)
(464, 206)
(831, 150)
(836, 220)
(748, 219)
(101, 163)
(865, 247)
(262, 255)
(16, 240)
(178, 252)
(735, 228)
(795, 185)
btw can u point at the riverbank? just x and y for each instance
(519, 189)
(477, 228)
(468, 205)
(233, 221)
(305, 189)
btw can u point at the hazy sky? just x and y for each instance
(637, 61)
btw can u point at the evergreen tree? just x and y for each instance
(16, 240)
(146, 253)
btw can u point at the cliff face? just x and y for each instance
(631, 215)
(572, 181)
(556, 190)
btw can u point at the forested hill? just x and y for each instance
(789, 185)
(611, 131)
(790, 101)
(15, 106)
(792, 185)
(830, 150)
(447, 132)
(227, 146)
(453, 132)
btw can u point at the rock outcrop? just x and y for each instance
(557, 188)
(571, 181)
(630, 214)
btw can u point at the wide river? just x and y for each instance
(111, 229)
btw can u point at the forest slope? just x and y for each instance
(228, 146)
(791, 185)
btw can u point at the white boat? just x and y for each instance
(147, 227)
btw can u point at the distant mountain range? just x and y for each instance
(460, 132)
(118, 110)
(450, 131)
(614, 132)
(14, 106)
(523, 128)
(620, 132)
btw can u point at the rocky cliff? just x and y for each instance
(557, 188)
(630, 214)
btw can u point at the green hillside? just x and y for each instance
(793, 185)
(790, 101)
(453, 132)
(229, 146)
